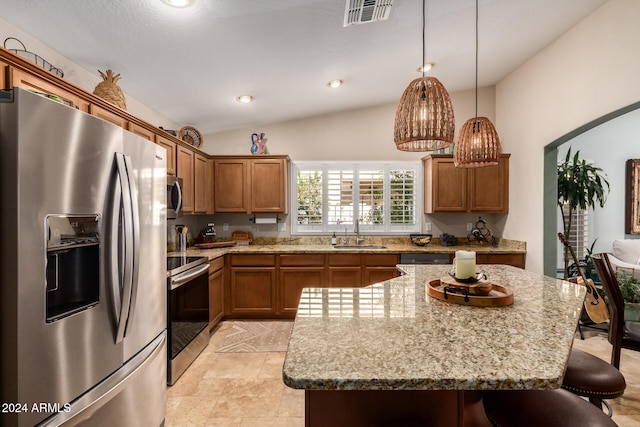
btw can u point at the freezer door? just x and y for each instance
(133, 396)
(56, 161)
(148, 308)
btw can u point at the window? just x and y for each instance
(579, 236)
(384, 197)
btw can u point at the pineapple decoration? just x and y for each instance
(109, 90)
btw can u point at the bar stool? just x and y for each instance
(535, 408)
(591, 377)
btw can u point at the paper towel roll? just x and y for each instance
(266, 220)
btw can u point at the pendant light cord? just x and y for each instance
(424, 32)
(476, 59)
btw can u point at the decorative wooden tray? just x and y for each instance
(499, 296)
(214, 245)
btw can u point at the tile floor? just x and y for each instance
(246, 389)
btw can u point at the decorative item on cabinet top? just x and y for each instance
(191, 136)
(259, 144)
(108, 90)
(30, 56)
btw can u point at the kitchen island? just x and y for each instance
(388, 353)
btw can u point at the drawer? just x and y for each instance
(216, 264)
(253, 260)
(306, 260)
(344, 259)
(379, 260)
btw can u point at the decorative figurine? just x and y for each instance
(258, 144)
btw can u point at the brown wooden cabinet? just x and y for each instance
(344, 271)
(96, 110)
(184, 170)
(26, 80)
(269, 179)
(4, 75)
(231, 185)
(247, 184)
(216, 291)
(141, 131)
(202, 183)
(298, 271)
(451, 189)
(252, 286)
(379, 267)
(170, 146)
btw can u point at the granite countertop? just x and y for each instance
(392, 246)
(392, 336)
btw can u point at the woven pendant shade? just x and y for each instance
(478, 144)
(424, 118)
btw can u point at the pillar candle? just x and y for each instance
(465, 264)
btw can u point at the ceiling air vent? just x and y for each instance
(363, 11)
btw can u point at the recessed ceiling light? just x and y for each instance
(426, 67)
(178, 3)
(335, 83)
(245, 99)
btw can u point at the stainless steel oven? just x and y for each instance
(187, 312)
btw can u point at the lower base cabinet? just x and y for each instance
(216, 291)
(269, 286)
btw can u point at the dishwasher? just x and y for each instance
(424, 258)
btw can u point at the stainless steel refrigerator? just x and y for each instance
(82, 269)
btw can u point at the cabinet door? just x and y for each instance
(4, 76)
(445, 186)
(216, 291)
(380, 267)
(202, 188)
(185, 171)
(28, 81)
(489, 188)
(170, 146)
(269, 185)
(292, 280)
(107, 115)
(141, 132)
(252, 291)
(231, 185)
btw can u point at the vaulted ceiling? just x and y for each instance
(190, 64)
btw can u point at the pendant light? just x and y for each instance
(424, 117)
(478, 143)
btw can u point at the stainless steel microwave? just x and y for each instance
(174, 197)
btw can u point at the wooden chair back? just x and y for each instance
(616, 303)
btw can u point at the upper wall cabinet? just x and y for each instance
(16, 71)
(251, 184)
(451, 189)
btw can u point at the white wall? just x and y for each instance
(590, 71)
(84, 79)
(364, 134)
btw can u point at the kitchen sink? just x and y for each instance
(359, 247)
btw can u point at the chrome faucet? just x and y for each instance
(356, 230)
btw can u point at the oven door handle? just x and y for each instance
(182, 278)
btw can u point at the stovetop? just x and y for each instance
(178, 264)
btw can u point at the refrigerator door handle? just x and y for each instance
(134, 224)
(124, 243)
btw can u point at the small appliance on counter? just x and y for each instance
(207, 234)
(447, 239)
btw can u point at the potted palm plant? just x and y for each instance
(580, 185)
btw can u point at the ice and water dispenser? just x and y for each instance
(73, 264)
